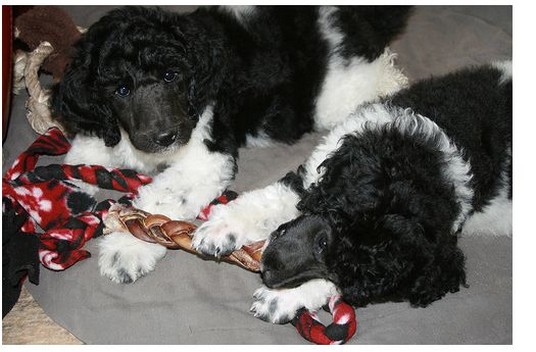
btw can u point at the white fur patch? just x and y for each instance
(496, 217)
(124, 258)
(350, 83)
(261, 140)
(241, 12)
(194, 178)
(280, 305)
(506, 68)
(91, 150)
(250, 218)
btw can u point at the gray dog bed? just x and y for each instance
(187, 300)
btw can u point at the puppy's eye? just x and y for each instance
(170, 76)
(321, 244)
(122, 91)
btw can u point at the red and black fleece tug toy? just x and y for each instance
(68, 216)
(45, 197)
(342, 328)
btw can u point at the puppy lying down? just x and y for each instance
(376, 211)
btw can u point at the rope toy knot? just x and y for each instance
(342, 328)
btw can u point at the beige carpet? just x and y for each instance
(27, 324)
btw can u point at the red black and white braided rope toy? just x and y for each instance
(69, 217)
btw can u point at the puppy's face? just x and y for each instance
(297, 252)
(146, 76)
(133, 69)
(307, 248)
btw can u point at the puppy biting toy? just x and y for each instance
(169, 233)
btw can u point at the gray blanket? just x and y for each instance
(187, 300)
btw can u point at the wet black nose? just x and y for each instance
(165, 139)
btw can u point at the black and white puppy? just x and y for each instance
(177, 94)
(375, 212)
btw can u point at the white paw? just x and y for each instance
(219, 237)
(124, 258)
(249, 218)
(230, 227)
(280, 306)
(275, 306)
(175, 203)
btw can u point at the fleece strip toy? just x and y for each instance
(342, 328)
(45, 197)
(68, 216)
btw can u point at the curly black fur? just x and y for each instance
(379, 222)
(262, 75)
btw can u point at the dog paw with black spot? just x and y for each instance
(156, 198)
(124, 258)
(218, 238)
(274, 306)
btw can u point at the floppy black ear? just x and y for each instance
(347, 186)
(204, 45)
(439, 268)
(443, 272)
(438, 265)
(77, 102)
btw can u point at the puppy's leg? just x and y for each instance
(184, 188)
(179, 193)
(90, 150)
(279, 306)
(250, 218)
(254, 215)
(124, 258)
(195, 177)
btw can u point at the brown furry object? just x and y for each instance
(51, 24)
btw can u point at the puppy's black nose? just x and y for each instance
(166, 138)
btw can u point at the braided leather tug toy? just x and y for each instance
(173, 234)
(156, 228)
